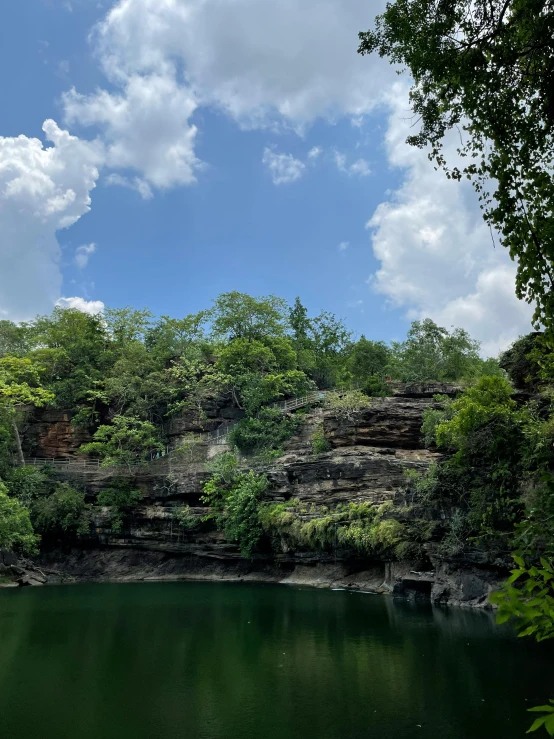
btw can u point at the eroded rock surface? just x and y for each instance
(371, 453)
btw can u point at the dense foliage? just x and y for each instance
(495, 486)
(123, 375)
(234, 497)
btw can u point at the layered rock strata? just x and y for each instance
(370, 456)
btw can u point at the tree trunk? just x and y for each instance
(20, 456)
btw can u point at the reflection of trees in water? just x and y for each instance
(206, 660)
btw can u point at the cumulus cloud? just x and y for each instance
(250, 57)
(83, 254)
(85, 306)
(145, 127)
(284, 168)
(42, 190)
(264, 63)
(436, 253)
(260, 62)
(343, 246)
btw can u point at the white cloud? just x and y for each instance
(343, 246)
(314, 152)
(360, 167)
(85, 306)
(42, 190)
(436, 253)
(264, 63)
(284, 168)
(146, 127)
(135, 183)
(251, 57)
(83, 254)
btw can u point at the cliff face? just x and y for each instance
(50, 433)
(367, 463)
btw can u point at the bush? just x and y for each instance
(235, 499)
(184, 518)
(121, 500)
(267, 431)
(241, 519)
(363, 527)
(376, 387)
(62, 512)
(16, 530)
(347, 406)
(523, 359)
(320, 443)
(27, 483)
(433, 417)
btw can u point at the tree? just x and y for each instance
(261, 371)
(121, 499)
(20, 386)
(299, 321)
(127, 441)
(137, 385)
(234, 498)
(14, 338)
(239, 316)
(62, 513)
(16, 530)
(193, 383)
(430, 352)
(347, 406)
(367, 358)
(329, 341)
(490, 399)
(172, 338)
(522, 361)
(75, 350)
(484, 69)
(127, 324)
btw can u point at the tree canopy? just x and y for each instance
(484, 70)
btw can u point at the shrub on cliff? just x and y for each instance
(234, 497)
(498, 470)
(347, 406)
(126, 441)
(267, 431)
(121, 499)
(320, 443)
(61, 513)
(16, 530)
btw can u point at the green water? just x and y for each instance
(221, 661)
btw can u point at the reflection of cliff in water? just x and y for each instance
(214, 660)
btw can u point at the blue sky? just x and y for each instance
(189, 169)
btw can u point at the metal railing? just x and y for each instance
(56, 462)
(219, 436)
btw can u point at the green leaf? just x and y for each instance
(503, 617)
(515, 575)
(528, 631)
(537, 723)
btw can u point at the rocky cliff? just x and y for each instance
(370, 455)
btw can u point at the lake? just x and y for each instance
(245, 661)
